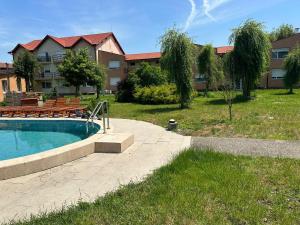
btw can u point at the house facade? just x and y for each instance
(280, 49)
(103, 48)
(9, 82)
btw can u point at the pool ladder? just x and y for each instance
(104, 108)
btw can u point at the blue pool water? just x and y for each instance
(25, 137)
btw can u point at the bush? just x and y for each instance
(163, 94)
(125, 91)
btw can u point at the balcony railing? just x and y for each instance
(58, 58)
(44, 58)
(48, 76)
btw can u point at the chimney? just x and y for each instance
(297, 30)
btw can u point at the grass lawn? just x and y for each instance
(199, 187)
(272, 115)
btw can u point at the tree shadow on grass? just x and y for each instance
(237, 99)
(160, 110)
(285, 93)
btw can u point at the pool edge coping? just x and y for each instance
(37, 162)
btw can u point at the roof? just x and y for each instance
(143, 56)
(3, 65)
(68, 42)
(224, 49)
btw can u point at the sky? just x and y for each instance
(137, 24)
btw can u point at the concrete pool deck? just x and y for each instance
(92, 176)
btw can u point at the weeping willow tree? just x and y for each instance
(292, 67)
(209, 66)
(178, 58)
(251, 54)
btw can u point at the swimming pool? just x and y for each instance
(26, 137)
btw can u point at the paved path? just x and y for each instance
(93, 175)
(253, 147)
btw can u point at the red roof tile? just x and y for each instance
(68, 42)
(3, 65)
(224, 49)
(142, 56)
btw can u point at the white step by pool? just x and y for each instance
(114, 143)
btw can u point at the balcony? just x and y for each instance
(48, 76)
(44, 58)
(57, 58)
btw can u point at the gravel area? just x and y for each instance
(253, 147)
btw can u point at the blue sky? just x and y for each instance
(138, 24)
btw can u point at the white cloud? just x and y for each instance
(191, 16)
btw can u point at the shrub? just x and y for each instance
(163, 94)
(125, 91)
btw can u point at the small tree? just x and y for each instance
(178, 58)
(97, 78)
(284, 31)
(208, 65)
(148, 75)
(292, 67)
(228, 82)
(251, 54)
(77, 68)
(26, 66)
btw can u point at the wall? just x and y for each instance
(110, 45)
(13, 85)
(84, 44)
(290, 43)
(105, 58)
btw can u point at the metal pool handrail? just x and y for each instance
(104, 107)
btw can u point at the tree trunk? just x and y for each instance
(27, 84)
(77, 88)
(246, 89)
(291, 90)
(230, 110)
(97, 92)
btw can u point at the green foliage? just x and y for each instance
(97, 77)
(145, 75)
(178, 58)
(163, 94)
(292, 67)
(284, 31)
(77, 68)
(125, 90)
(251, 54)
(210, 65)
(26, 66)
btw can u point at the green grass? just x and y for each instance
(272, 115)
(198, 187)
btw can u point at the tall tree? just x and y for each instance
(292, 67)
(283, 31)
(251, 54)
(77, 68)
(178, 58)
(26, 66)
(208, 65)
(98, 77)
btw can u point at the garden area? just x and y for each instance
(273, 114)
(198, 187)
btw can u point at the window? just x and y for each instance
(114, 64)
(46, 85)
(43, 57)
(132, 64)
(114, 81)
(278, 74)
(4, 86)
(280, 53)
(47, 70)
(199, 78)
(19, 84)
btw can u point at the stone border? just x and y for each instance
(51, 158)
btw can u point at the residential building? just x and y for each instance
(103, 48)
(50, 51)
(9, 82)
(280, 49)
